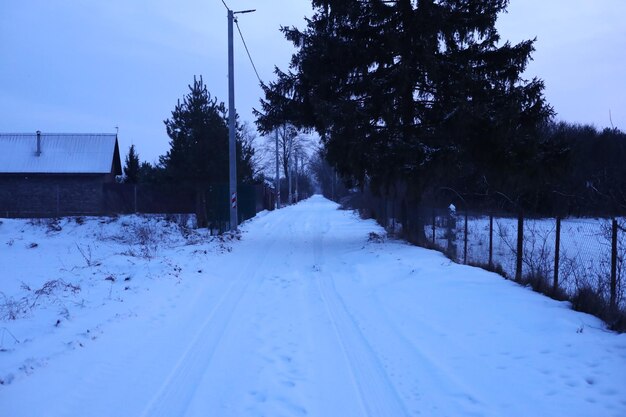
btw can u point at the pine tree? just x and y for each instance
(131, 166)
(198, 134)
(198, 155)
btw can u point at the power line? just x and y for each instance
(244, 42)
(248, 51)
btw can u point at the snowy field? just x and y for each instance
(310, 311)
(585, 249)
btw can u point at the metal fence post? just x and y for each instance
(434, 226)
(491, 241)
(520, 247)
(393, 214)
(613, 301)
(557, 248)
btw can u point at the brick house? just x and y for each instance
(53, 174)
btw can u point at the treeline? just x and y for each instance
(565, 170)
(590, 174)
(411, 98)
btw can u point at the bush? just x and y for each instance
(589, 300)
(542, 284)
(617, 321)
(13, 309)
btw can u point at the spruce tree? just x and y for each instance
(410, 95)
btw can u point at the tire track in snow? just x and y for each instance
(429, 372)
(377, 395)
(179, 388)
(416, 370)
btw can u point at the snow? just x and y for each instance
(61, 153)
(585, 249)
(309, 311)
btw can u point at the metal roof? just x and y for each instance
(61, 153)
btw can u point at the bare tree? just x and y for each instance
(258, 161)
(292, 146)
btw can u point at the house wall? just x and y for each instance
(43, 195)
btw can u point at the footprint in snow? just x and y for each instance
(258, 396)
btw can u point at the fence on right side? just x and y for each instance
(578, 259)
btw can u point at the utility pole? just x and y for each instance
(232, 147)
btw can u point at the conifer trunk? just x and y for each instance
(201, 217)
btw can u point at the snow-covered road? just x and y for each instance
(309, 315)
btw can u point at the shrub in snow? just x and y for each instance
(143, 236)
(87, 255)
(12, 308)
(590, 300)
(52, 225)
(376, 237)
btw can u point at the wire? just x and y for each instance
(245, 45)
(248, 51)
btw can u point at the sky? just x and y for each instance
(85, 66)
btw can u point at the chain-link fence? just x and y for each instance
(576, 259)
(582, 260)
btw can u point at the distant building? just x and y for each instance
(54, 174)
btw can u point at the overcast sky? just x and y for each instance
(91, 65)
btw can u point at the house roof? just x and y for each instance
(61, 153)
